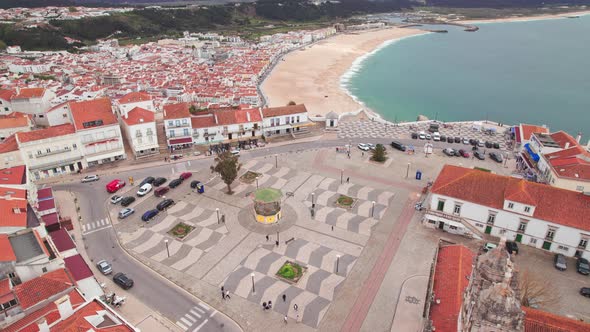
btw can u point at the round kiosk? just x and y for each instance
(267, 205)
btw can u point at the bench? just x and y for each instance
(290, 240)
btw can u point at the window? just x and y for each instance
(74, 146)
(64, 115)
(272, 122)
(44, 270)
(38, 152)
(171, 133)
(287, 120)
(564, 248)
(185, 132)
(11, 275)
(441, 205)
(430, 221)
(550, 234)
(580, 188)
(583, 243)
(457, 209)
(170, 123)
(491, 218)
(140, 140)
(298, 118)
(511, 205)
(177, 123)
(522, 226)
(453, 227)
(479, 225)
(533, 241)
(527, 209)
(278, 121)
(184, 121)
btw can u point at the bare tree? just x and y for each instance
(536, 291)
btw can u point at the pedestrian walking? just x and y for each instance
(264, 306)
(332, 227)
(222, 293)
(269, 304)
(267, 238)
(363, 153)
(348, 155)
(284, 297)
(286, 319)
(227, 295)
(348, 180)
(277, 242)
(297, 321)
(295, 307)
(165, 159)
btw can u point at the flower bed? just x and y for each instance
(249, 177)
(291, 272)
(345, 201)
(181, 230)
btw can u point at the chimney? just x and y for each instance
(141, 120)
(248, 116)
(42, 325)
(126, 115)
(64, 306)
(579, 137)
(567, 145)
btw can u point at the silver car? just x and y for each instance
(90, 178)
(104, 267)
(126, 212)
(560, 262)
(116, 199)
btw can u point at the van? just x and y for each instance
(433, 128)
(115, 185)
(397, 145)
(143, 190)
(161, 191)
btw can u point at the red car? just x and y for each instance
(115, 185)
(464, 153)
(186, 175)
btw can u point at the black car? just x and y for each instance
(450, 140)
(122, 280)
(443, 138)
(489, 144)
(126, 201)
(512, 247)
(473, 141)
(149, 179)
(496, 145)
(194, 184)
(397, 145)
(479, 155)
(496, 157)
(457, 139)
(158, 182)
(163, 205)
(415, 135)
(585, 291)
(175, 183)
(582, 266)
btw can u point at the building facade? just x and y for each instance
(284, 120)
(139, 127)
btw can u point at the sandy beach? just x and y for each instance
(312, 76)
(528, 18)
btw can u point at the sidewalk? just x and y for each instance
(133, 310)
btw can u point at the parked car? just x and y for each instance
(159, 181)
(115, 185)
(496, 145)
(585, 291)
(149, 215)
(472, 142)
(175, 183)
(457, 139)
(235, 152)
(479, 155)
(449, 152)
(163, 205)
(496, 157)
(126, 201)
(436, 136)
(149, 179)
(371, 146)
(104, 267)
(464, 153)
(126, 212)
(582, 266)
(363, 146)
(480, 144)
(90, 178)
(428, 137)
(185, 175)
(465, 140)
(443, 138)
(560, 262)
(161, 191)
(422, 135)
(116, 199)
(433, 127)
(397, 145)
(194, 184)
(489, 144)
(512, 247)
(122, 280)
(143, 190)
(450, 139)
(414, 135)
(489, 246)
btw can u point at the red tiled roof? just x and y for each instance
(29, 93)
(203, 120)
(9, 144)
(7, 94)
(134, 97)
(6, 294)
(92, 110)
(78, 322)
(542, 321)
(237, 116)
(138, 115)
(44, 193)
(50, 219)
(62, 241)
(10, 218)
(47, 204)
(284, 110)
(552, 204)
(177, 111)
(14, 120)
(41, 288)
(13, 175)
(529, 130)
(78, 267)
(36, 135)
(6, 252)
(562, 138)
(572, 163)
(453, 268)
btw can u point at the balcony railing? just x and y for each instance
(97, 139)
(52, 152)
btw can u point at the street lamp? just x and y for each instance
(341, 175)
(373, 209)
(256, 182)
(312, 200)
(217, 210)
(276, 161)
(167, 249)
(253, 289)
(337, 262)
(408, 170)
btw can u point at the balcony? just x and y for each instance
(52, 152)
(93, 139)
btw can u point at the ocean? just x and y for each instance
(531, 72)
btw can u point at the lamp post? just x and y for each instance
(337, 262)
(253, 289)
(256, 182)
(276, 161)
(312, 200)
(341, 175)
(408, 170)
(167, 249)
(373, 209)
(217, 211)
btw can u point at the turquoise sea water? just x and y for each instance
(534, 72)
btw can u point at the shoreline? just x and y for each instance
(317, 74)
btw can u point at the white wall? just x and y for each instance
(97, 152)
(147, 104)
(146, 142)
(61, 148)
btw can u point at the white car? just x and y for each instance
(235, 152)
(364, 146)
(436, 136)
(466, 141)
(143, 190)
(90, 178)
(422, 135)
(116, 199)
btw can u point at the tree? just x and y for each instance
(73, 9)
(227, 165)
(379, 154)
(291, 103)
(535, 291)
(192, 109)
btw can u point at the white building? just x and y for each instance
(133, 100)
(139, 127)
(33, 101)
(57, 115)
(98, 129)
(177, 125)
(470, 201)
(284, 120)
(226, 125)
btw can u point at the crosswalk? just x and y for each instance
(195, 318)
(95, 226)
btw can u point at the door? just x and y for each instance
(331, 123)
(253, 133)
(518, 238)
(489, 230)
(441, 225)
(547, 245)
(229, 136)
(79, 165)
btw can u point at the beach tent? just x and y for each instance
(477, 125)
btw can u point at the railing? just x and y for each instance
(104, 151)
(52, 152)
(96, 139)
(454, 218)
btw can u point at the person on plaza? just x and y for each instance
(295, 307)
(267, 238)
(348, 180)
(284, 297)
(286, 319)
(227, 295)
(264, 305)
(222, 292)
